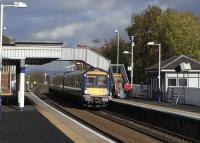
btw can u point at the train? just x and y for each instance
(90, 88)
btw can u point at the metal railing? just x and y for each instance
(185, 95)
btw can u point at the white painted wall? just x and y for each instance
(193, 79)
(193, 82)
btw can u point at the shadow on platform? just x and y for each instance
(27, 126)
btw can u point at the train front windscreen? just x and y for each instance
(97, 81)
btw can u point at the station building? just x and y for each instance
(173, 78)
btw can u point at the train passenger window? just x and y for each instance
(76, 82)
(80, 82)
(66, 81)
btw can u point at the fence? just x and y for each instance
(184, 95)
(140, 91)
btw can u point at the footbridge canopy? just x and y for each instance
(37, 55)
(32, 55)
(90, 57)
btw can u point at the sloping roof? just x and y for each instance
(175, 61)
(38, 43)
(7, 40)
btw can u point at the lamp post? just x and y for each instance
(132, 44)
(127, 52)
(15, 4)
(116, 31)
(159, 62)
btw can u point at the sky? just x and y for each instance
(79, 21)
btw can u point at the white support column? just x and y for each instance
(22, 83)
(166, 86)
(18, 82)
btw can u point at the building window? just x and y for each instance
(171, 82)
(182, 82)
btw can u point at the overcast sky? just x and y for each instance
(79, 21)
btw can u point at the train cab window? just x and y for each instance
(101, 81)
(90, 82)
(96, 81)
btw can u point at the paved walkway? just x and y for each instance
(28, 126)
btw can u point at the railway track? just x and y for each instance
(62, 109)
(112, 130)
(157, 134)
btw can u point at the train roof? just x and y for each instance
(75, 72)
(84, 71)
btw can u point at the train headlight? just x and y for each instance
(86, 92)
(106, 92)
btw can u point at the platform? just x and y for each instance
(28, 126)
(40, 123)
(177, 109)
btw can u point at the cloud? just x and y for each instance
(94, 19)
(79, 21)
(67, 31)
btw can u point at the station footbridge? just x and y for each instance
(23, 54)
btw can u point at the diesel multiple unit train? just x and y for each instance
(91, 87)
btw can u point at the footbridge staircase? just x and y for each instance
(120, 77)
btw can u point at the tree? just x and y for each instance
(143, 28)
(109, 50)
(178, 33)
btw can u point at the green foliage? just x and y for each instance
(109, 50)
(178, 33)
(181, 32)
(143, 28)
